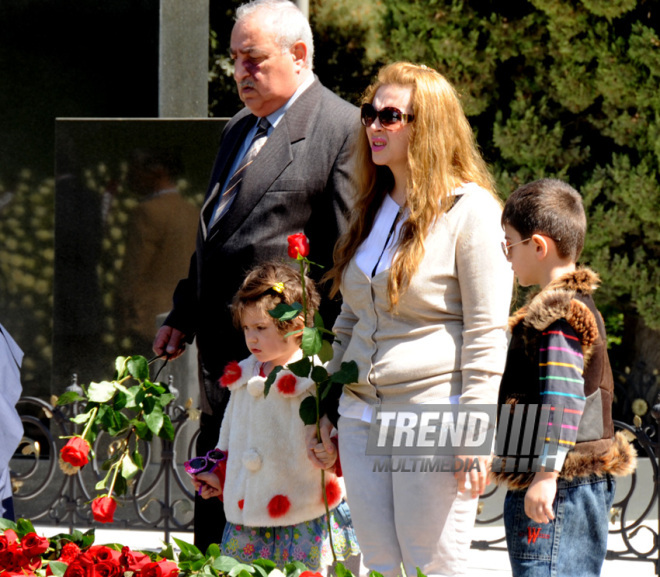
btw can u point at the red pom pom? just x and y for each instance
(241, 503)
(333, 492)
(286, 384)
(232, 373)
(279, 505)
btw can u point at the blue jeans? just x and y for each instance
(574, 544)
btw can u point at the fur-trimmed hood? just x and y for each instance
(557, 301)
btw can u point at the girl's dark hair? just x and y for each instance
(261, 288)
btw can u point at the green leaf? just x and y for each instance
(241, 570)
(128, 468)
(120, 367)
(24, 527)
(284, 312)
(138, 367)
(165, 399)
(121, 486)
(7, 524)
(326, 353)
(224, 564)
(137, 459)
(141, 429)
(167, 430)
(341, 571)
(168, 553)
(68, 398)
(155, 419)
(419, 573)
(267, 564)
(300, 368)
(294, 569)
(311, 341)
(81, 419)
(213, 550)
(57, 568)
(188, 550)
(100, 392)
(103, 483)
(270, 379)
(120, 401)
(307, 410)
(319, 374)
(347, 374)
(318, 320)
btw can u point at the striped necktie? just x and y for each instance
(234, 183)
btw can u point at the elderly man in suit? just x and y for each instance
(299, 181)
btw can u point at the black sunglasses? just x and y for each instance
(389, 116)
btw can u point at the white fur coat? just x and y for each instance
(269, 480)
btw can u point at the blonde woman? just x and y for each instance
(426, 293)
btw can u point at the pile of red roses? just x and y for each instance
(21, 557)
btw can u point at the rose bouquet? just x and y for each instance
(128, 408)
(23, 553)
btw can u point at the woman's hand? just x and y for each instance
(477, 473)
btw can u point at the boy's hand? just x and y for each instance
(207, 485)
(327, 459)
(540, 497)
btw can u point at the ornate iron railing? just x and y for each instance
(161, 497)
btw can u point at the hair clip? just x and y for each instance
(278, 287)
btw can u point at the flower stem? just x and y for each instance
(89, 424)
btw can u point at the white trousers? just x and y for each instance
(414, 519)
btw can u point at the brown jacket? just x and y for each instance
(598, 450)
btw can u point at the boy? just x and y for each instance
(556, 510)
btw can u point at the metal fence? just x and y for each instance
(160, 499)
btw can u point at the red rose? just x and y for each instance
(298, 245)
(34, 545)
(79, 569)
(104, 553)
(163, 568)
(107, 569)
(134, 560)
(69, 553)
(286, 384)
(232, 373)
(75, 452)
(7, 539)
(310, 574)
(103, 509)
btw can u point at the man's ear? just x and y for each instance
(299, 52)
(541, 246)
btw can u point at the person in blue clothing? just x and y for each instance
(11, 431)
(557, 507)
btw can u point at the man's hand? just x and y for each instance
(311, 441)
(169, 341)
(540, 497)
(478, 478)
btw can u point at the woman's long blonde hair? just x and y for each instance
(442, 154)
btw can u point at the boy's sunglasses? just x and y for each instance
(389, 116)
(201, 464)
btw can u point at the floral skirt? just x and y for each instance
(306, 542)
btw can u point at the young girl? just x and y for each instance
(271, 492)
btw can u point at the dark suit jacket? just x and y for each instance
(301, 181)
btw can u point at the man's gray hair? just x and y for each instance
(288, 22)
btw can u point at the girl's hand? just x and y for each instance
(540, 497)
(311, 441)
(207, 485)
(327, 459)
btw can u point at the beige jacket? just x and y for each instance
(448, 336)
